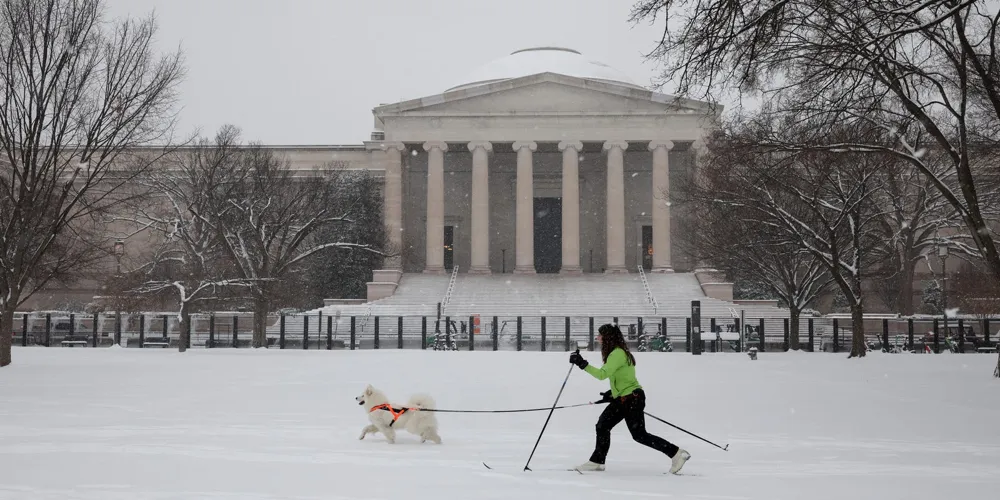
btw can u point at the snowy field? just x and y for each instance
(114, 424)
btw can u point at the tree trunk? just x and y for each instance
(793, 328)
(185, 328)
(858, 346)
(260, 322)
(6, 335)
(904, 303)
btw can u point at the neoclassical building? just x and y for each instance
(539, 162)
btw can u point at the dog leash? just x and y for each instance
(435, 410)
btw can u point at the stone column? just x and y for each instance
(524, 252)
(480, 207)
(435, 207)
(615, 232)
(394, 202)
(571, 207)
(661, 206)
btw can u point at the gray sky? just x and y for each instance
(310, 71)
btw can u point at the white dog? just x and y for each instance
(387, 418)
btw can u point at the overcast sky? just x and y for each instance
(310, 71)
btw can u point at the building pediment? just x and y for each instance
(547, 94)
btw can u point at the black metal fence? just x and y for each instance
(529, 333)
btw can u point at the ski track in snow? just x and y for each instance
(129, 424)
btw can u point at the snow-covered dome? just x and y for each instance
(533, 61)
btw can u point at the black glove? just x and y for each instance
(606, 397)
(578, 360)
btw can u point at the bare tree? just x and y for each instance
(907, 67)
(749, 246)
(279, 218)
(185, 195)
(78, 93)
(814, 202)
(916, 215)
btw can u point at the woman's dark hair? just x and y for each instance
(611, 337)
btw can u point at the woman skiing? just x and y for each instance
(626, 401)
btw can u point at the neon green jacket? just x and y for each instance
(621, 373)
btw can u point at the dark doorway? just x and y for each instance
(647, 247)
(548, 235)
(449, 247)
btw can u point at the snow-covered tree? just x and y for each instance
(278, 218)
(186, 194)
(815, 203)
(78, 95)
(915, 70)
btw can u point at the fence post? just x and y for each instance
(496, 334)
(236, 331)
(836, 335)
(164, 326)
(590, 343)
(72, 325)
(399, 332)
(447, 332)
(696, 327)
(909, 333)
(329, 333)
(812, 338)
(24, 330)
(472, 334)
(211, 330)
(639, 328)
(663, 326)
(281, 331)
(961, 335)
(423, 332)
(763, 335)
(352, 332)
(543, 333)
(118, 327)
(142, 330)
(885, 333)
(937, 338)
(518, 333)
(787, 332)
(687, 343)
(305, 332)
(48, 330)
(94, 332)
(739, 332)
(567, 334)
(986, 331)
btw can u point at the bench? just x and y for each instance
(987, 349)
(74, 340)
(156, 342)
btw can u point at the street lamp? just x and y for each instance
(943, 255)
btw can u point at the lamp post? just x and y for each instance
(119, 251)
(943, 255)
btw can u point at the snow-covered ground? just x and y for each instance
(116, 424)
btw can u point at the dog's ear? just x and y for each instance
(369, 390)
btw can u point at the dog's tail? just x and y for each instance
(422, 401)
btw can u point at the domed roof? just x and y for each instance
(533, 61)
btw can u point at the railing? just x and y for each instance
(551, 332)
(649, 293)
(451, 288)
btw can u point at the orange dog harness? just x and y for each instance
(394, 412)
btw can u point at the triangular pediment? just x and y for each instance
(547, 93)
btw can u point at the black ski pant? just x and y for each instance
(629, 408)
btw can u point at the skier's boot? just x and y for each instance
(678, 461)
(590, 466)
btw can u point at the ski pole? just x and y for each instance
(553, 409)
(726, 448)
